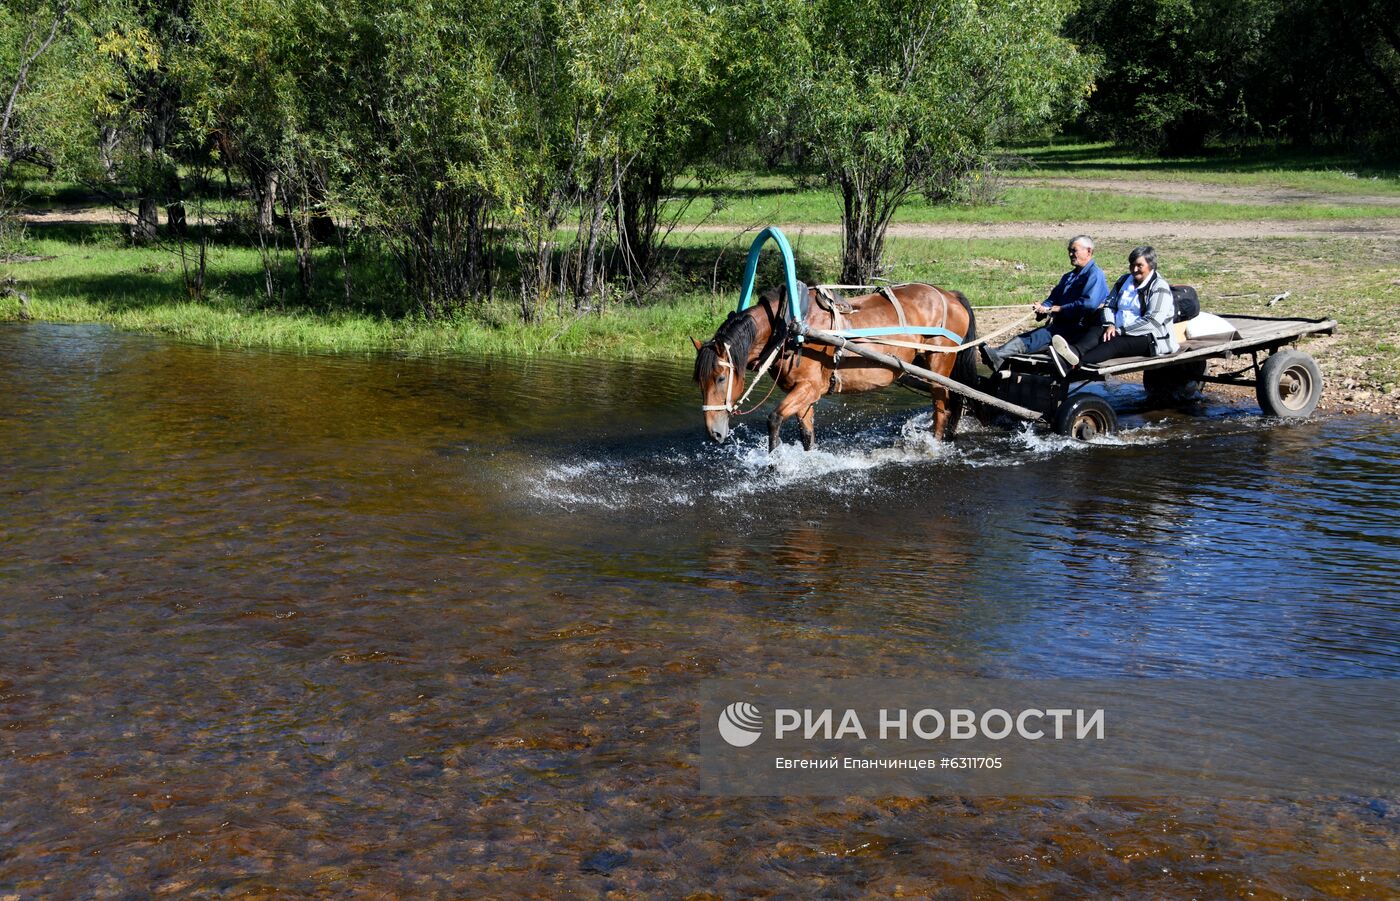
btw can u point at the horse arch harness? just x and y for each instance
(839, 308)
(785, 341)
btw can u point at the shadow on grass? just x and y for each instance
(82, 234)
(118, 235)
(33, 188)
(238, 283)
(140, 278)
(699, 195)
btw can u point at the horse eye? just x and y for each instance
(720, 379)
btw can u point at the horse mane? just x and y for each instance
(738, 331)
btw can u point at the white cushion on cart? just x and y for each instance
(1208, 325)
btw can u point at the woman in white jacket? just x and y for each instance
(1137, 320)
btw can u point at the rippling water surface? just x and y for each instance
(306, 626)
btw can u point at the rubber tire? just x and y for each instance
(1289, 385)
(1174, 384)
(1085, 417)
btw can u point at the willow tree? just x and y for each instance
(387, 113)
(611, 96)
(893, 96)
(59, 73)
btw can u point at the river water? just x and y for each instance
(295, 626)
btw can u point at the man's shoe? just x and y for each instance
(1065, 351)
(992, 357)
(1059, 364)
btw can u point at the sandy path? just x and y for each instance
(89, 215)
(1206, 192)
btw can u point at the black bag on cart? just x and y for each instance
(1188, 305)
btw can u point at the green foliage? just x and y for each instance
(552, 146)
(617, 99)
(61, 64)
(1178, 72)
(895, 96)
(1172, 69)
(1330, 71)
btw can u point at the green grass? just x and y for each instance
(763, 201)
(762, 198)
(95, 277)
(622, 333)
(1266, 166)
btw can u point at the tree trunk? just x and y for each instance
(587, 283)
(862, 236)
(265, 191)
(107, 151)
(297, 221)
(147, 220)
(640, 216)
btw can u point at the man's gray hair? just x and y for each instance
(1144, 252)
(1082, 239)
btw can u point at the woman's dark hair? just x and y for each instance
(1144, 252)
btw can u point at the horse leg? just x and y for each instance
(775, 425)
(799, 402)
(808, 421)
(941, 398)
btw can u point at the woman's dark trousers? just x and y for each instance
(1092, 350)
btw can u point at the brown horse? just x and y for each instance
(809, 371)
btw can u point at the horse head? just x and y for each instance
(720, 370)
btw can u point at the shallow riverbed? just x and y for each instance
(305, 626)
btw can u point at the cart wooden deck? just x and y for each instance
(1287, 382)
(1252, 334)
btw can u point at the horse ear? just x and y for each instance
(697, 344)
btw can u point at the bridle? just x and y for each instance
(778, 340)
(728, 405)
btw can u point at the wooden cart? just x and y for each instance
(1286, 381)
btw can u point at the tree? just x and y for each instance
(390, 114)
(254, 97)
(614, 102)
(422, 143)
(28, 31)
(893, 95)
(1330, 71)
(1173, 70)
(1177, 73)
(59, 75)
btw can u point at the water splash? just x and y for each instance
(847, 462)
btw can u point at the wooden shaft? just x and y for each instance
(898, 365)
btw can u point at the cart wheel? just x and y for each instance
(1171, 384)
(1085, 417)
(1289, 384)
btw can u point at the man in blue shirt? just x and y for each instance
(1070, 305)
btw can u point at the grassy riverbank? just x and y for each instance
(96, 280)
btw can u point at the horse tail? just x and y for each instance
(964, 367)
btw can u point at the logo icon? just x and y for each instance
(740, 724)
